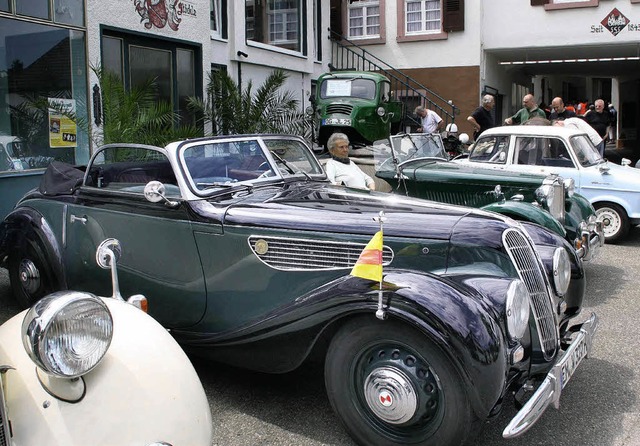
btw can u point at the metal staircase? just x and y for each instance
(347, 55)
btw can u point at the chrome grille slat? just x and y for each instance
(340, 108)
(531, 273)
(311, 255)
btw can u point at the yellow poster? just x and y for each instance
(63, 131)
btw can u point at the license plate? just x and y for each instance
(577, 353)
(336, 121)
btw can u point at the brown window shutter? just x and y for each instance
(539, 2)
(453, 15)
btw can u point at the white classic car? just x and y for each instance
(78, 369)
(613, 190)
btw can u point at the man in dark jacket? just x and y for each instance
(599, 119)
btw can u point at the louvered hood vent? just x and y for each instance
(293, 254)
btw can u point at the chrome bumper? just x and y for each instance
(590, 242)
(557, 378)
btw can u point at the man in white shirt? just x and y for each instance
(431, 121)
(340, 169)
(583, 126)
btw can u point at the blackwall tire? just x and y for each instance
(30, 275)
(389, 384)
(615, 221)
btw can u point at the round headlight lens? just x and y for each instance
(67, 333)
(517, 309)
(380, 111)
(561, 271)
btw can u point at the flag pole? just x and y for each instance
(380, 313)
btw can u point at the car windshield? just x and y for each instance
(354, 87)
(407, 147)
(586, 152)
(220, 164)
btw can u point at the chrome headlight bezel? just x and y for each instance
(67, 333)
(381, 111)
(561, 271)
(545, 195)
(570, 187)
(517, 309)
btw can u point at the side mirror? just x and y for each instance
(154, 191)
(107, 255)
(502, 156)
(625, 162)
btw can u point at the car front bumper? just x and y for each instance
(590, 241)
(557, 378)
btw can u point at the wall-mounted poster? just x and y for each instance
(63, 130)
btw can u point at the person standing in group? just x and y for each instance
(580, 124)
(529, 110)
(559, 110)
(430, 121)
(599, 119)
(481, 119)
(340, 169)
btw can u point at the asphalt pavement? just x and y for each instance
(599, 407)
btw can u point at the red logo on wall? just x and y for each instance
(615, 21)
(159, 13)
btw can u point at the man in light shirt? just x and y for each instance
(580, 124)
(431, 121)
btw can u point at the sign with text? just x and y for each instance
(63, 131)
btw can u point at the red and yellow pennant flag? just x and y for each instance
(369, 264)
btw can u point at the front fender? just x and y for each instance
(463, 323)
(522, 211)
(144, 390)
(25, 224)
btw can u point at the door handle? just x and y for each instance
(82, 220)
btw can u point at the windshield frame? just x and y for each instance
(585, 152)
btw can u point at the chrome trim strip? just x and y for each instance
(551, 388)
(5, 432)
(295, 254)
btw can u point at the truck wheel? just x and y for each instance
(615, 221)
(389, 384)
(31, 278)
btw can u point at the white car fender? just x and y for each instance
(144, 390)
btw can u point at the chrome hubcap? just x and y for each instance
(29, 276)
(390, 395)
(610, 221)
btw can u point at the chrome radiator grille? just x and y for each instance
(292, 254)
(557, 206)
(339, 108)
(531, 272)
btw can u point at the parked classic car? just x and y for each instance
(613, 190)
(244, 250)
(357, 103)
(77, 369)
(418, 165)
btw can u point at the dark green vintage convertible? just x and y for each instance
(244, 251)
(417, 165)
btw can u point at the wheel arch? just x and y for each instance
(26, 225)
(477, 354)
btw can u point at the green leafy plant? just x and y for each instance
(137, 116)
(232, 110)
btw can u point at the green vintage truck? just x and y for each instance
(357, 103)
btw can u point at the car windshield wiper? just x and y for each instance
(292, 170)
(209, 186)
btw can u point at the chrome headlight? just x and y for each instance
(545, 194)
(517, 309)
(561, 271)
(570, 186)
(67, 333)
(381, 111)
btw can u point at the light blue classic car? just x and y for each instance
(613, 190)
